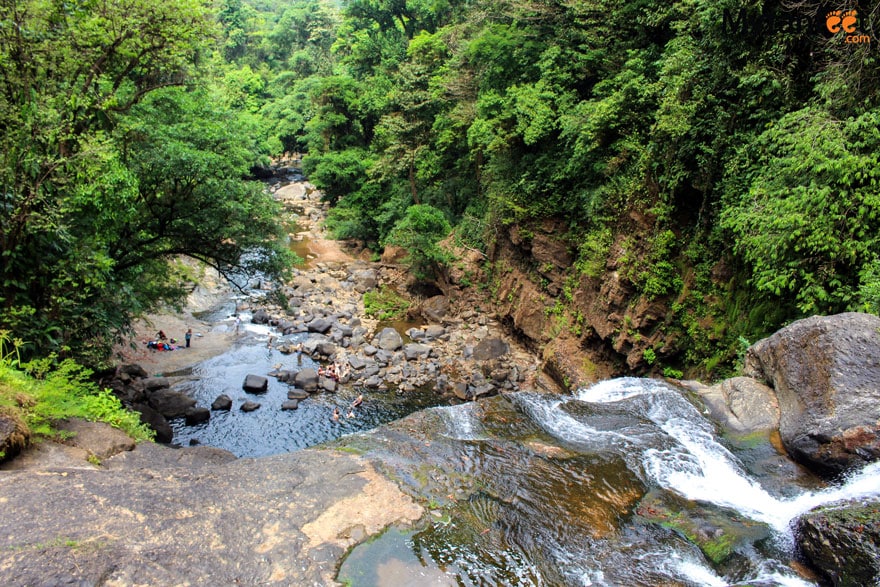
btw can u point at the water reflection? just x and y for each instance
(269, 430)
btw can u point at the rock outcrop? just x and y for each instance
(825, 371)
(192, 516)
(843, 542)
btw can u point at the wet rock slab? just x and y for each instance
(194, 516)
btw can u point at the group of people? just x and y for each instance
(163, 343)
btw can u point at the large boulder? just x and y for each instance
(307, 379)
(826, 374)
(388, 339)
(434, 309)
(741, 404)
(365, 280)
(414, 351)
(843, 542)
(490, 348)
(170, 403)
(100, 439)
(223, 402)
(320, 325)
(255, 384)
(197, 415)
(156, 421)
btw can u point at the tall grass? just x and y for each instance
(42, 392)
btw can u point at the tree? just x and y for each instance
(805, 210)
(93, 204)
(418, 232)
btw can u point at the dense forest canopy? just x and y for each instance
(745, 135)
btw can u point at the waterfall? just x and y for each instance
(699, 468)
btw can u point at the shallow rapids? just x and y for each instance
(624, 483)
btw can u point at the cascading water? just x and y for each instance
(624, 483)
(699, 468)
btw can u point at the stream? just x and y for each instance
(269, 430)
(625, 483)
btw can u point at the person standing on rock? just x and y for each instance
(188, 336)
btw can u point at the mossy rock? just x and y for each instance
(716, 532)
(843, 542)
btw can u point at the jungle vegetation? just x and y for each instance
(744, 133)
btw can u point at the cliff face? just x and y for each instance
(589, 322)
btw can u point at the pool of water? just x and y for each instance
(269, 430)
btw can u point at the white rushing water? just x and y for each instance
(699, 468)
(461, 422)
(674, 447)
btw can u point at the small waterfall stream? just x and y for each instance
(624, 483)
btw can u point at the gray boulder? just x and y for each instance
(434, 309)
(297, 394)
(152, 384)
(327, 348)
(170, 403)
(490, 348)
(741, 404)
(825, 372)
(197, 415)
(414, 351)
(261, 317)
(434, 331)
(365, 280)
(223, 402)
(843, 542)
(131, 371)
(320, 325)
(307, 379)
(255, 384)
(249, 406)
(290, 404)
(156, 421)
(388, 339)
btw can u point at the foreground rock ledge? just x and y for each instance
(194, 516)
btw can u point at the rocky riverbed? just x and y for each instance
(96, 510)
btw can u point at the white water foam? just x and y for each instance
(700, 468)
(461, 422)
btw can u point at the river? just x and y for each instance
(624, 483)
